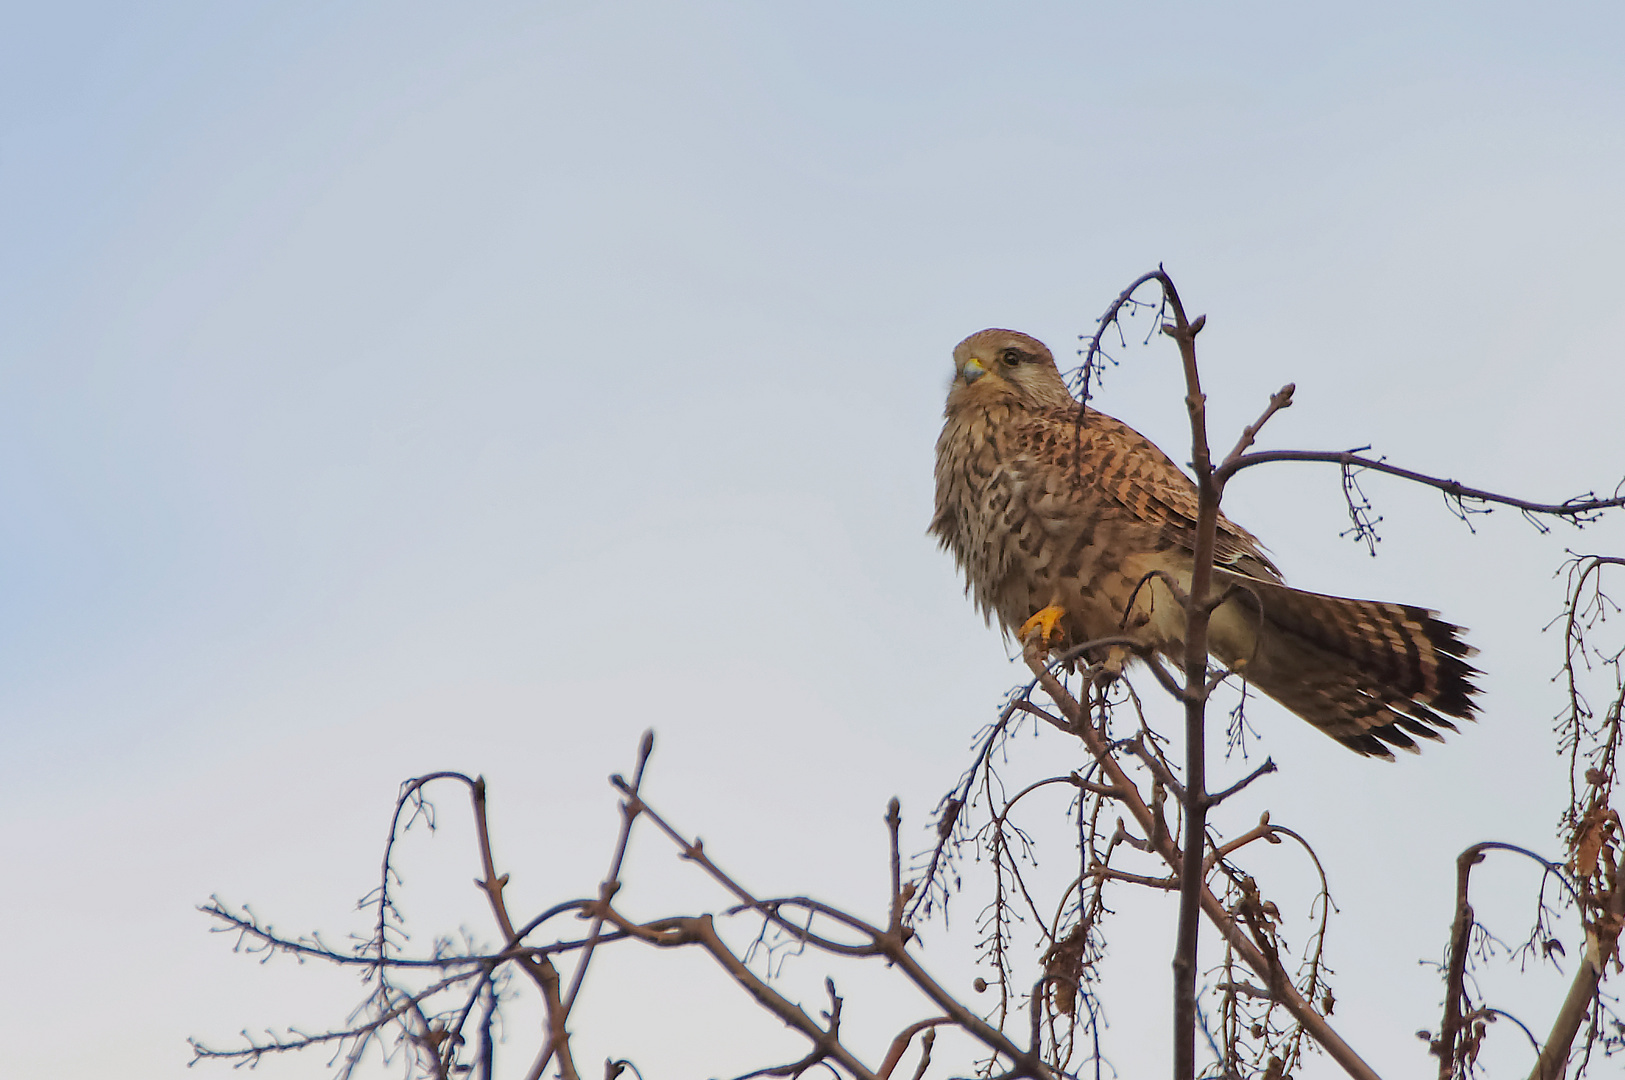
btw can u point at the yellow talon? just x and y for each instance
(1046, 621)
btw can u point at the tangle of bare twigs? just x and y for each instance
(1136, 817)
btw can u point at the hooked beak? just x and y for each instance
(972, 370)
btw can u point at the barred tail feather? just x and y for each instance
(1369, 674)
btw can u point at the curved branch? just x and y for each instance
(1109, 319)
(899, 1045)
(1576, 508)
(699, 930)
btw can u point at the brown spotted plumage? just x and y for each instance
(1058, 523)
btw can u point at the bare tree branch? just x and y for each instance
(1580, 510)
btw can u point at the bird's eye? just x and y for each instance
(1010, 357)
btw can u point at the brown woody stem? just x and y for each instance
(1280, 983)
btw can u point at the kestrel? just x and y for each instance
(1057, 524)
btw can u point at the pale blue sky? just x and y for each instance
(396, 387)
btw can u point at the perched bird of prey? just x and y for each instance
(1057, 524)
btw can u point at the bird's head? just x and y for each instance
(993, 366)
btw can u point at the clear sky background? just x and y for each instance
(397, 387)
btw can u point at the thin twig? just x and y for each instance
(1578, 509)
(1281, 399)
(630, 809)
